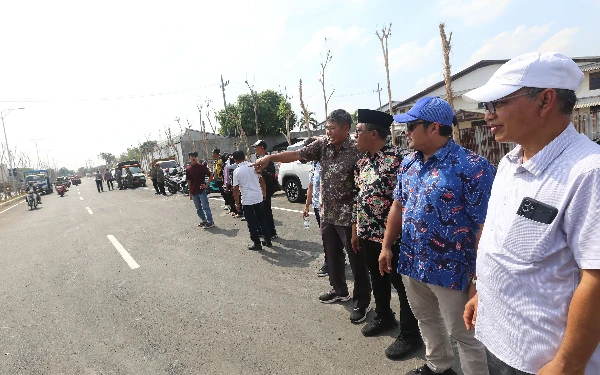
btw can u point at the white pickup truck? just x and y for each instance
(293, 177)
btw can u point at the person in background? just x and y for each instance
(254, 191)
(196, 175)
(268, 174)
(312, 200)
(119, 179)
(98, 178)
(153, 177)
(160, 180)
(538, 269)
(108, 178)
(129, 177)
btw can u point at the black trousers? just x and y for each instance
(109, 185)
(382, 288)
(497, 367)
(269, 216)
(155, 185)
(99, 185)
(255, 219)
(336, 238)
(160, 187)
(119, 185)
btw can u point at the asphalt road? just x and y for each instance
(187, 301)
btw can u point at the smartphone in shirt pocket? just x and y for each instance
(528, 233)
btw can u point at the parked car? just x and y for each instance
(293, 177)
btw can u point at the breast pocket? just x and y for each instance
(526, 239)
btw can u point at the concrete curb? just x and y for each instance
(11, 201)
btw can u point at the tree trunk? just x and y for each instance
(287, 128)
(305, 113)
(385, 34)
(447, 48)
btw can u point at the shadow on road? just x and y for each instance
(223, 231)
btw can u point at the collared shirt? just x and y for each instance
(249, 183)
(376, 178)
(444, 200)
(196, 175)
(337, 178)
(314, 179)
(527, 271)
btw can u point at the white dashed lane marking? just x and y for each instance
(89, 210)
(130, 261)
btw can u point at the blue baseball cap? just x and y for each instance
(430, 108)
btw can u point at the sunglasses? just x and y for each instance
(411, 126)
(490, 107)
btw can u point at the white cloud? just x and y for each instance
(509, 44)
(337, 39)
(562, 41)
(474, 12)
(425, 82)
(410, 55)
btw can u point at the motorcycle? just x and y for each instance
(60, 190)
(175, 183)
(32, 200)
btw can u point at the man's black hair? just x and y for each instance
(566, 99)
(216, 151)
(339, 116)
(239, 155)
(194, 154)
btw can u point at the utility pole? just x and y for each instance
(36, 141)
(379, 92)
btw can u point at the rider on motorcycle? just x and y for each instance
(33, 188)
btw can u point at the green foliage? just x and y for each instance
(269, 121)
(314, 124)
(108, 158)
(65, 172)
(355, 118)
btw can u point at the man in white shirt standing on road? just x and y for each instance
(538, 267)
(253, 189)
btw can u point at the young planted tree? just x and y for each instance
(386, 32)
(109, 159)
(447, 48)
(326, 99)
(254, 105)
(305, 112)
(285, 112)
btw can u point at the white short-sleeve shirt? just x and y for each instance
(528, 271)
(249, 183)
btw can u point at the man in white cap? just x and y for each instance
(538, 266)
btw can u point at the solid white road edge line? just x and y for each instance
(89, 210)
(130, 261)
(1, 212)
(274, 208)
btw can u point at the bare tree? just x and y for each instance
(285, 112)
(255, 105)
(326, 99)
(305, 112)
(447, 48)
(171, 143)
(386, 32)
(237, 116)
(212, 128)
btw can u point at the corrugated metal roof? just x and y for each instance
(587, 102)
(590, 67)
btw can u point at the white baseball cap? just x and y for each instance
(547, 70)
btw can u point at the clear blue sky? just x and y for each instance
(101, 78)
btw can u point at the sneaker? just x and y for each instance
(267, 243)
(359, 314)
(322, 272)
(209, 225)
(425, 370)
(202, 224)
(378, 326)
(332, 296)
(254, 246)
(403, 346)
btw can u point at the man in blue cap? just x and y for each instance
(440, 205)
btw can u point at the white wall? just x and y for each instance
(584, 89)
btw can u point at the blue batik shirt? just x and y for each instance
(314, 178)
(444, 200)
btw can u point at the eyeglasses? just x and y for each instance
(411, 126)
(357, 131)
(490, 107)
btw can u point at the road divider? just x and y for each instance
(130, 261)
(89, 210)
